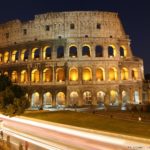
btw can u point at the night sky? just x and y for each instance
(134, 14)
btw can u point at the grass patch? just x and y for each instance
(97, 122)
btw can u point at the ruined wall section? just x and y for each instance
(57, 25)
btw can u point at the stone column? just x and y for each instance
(41, 75)
(131, 95)
(54, 73)
(105, 51)
(80, 75)
(30, 55)
(41, 53)
(140, 95)
(93, 74)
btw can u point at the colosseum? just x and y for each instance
(68, 59)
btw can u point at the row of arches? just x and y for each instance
(47, 53)
(60, 75)
(86, 98)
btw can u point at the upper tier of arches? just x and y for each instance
(72, 51)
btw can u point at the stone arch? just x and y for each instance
(60, 99)
(35, 75)
(74, 96)
(114, 98)
(86, 51)
(73, 51)
(14, 76)
(134, 73)
(60, 74)
(60, 52)
(24, 76)
(113, 74)
(73, 74)
(15, 55)
(123, 51)
(87, 74)
(124, 74)
(47, 50)
(35, 53)
(6, 73)
(98, 51)
(111, 51)
(100, 74)
(47, 99)
(47, 75)
(24, 55)
(35, 100)
(100, 98)
(87, 98)
(6, 57)
(125, 97)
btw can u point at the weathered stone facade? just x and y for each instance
(72, 58)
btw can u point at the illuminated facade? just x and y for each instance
(72, 58)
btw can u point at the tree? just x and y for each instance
(12, 99)
(4, 82)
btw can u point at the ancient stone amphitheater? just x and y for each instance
(66, 59)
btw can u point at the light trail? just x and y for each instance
(78, 133)
(30, 139)
(82, 134)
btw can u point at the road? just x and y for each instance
(52, 136)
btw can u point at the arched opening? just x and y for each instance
(1, 58)
(111, 51)
(73, 51)
(60, 99)
(124, 74)
(14, 76)
(136, 97)
(47, 75)
(60, 52)
(73, 74)
(47, 99)
(35, 75)
(114, 98)
(86, 51)
(24, 55)
(100, 98)
(134, 74)
(98, 51)
(36, 53)
(35, 100)
(100, 74)
(87, 97)
(113, 74)
(6, 73)
(87, 74)
(15, 55)
(125, 97)
(60, 74)
(24, 76)
(74, 98)
(123, 51)
(27, 95)
(6, 57)
(47, 52)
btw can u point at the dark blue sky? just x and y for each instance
(134, 14)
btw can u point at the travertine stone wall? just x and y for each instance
(90, 28)
(59, 25)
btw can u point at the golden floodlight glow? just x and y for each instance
(73, 75)
(87, 74)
